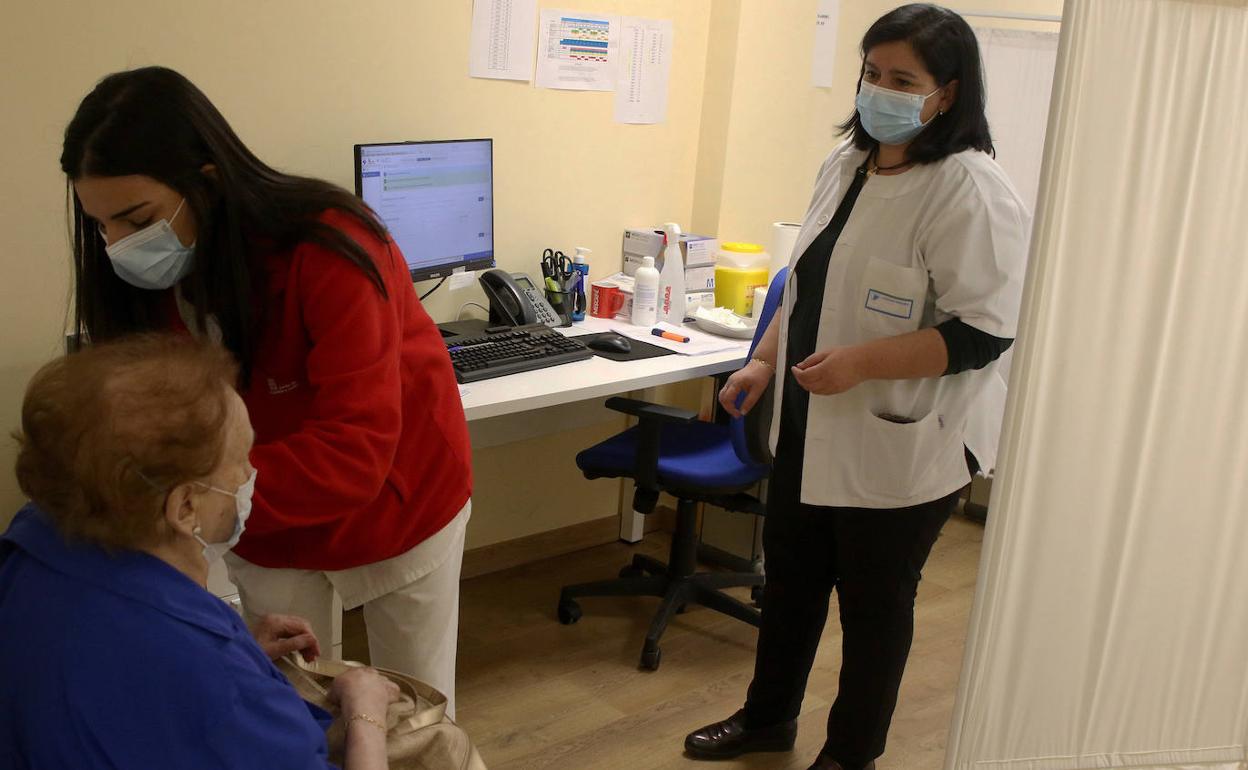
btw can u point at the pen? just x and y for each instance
(669, 335)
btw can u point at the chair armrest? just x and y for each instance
(644, 410)
(650, 421)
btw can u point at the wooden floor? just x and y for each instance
(535, 694)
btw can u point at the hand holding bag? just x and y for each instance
(419, 734)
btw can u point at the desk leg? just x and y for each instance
(632, 523)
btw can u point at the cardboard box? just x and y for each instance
(696, 299)
(697, 251)
(700, 278)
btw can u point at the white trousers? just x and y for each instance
(413, 629)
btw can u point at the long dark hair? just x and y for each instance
(947, 46)
(154, 122)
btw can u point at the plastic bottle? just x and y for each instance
(580, 264)
(645, 294)
(672, 277)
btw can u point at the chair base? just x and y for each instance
(676, 583)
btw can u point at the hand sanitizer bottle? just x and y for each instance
(580, 264)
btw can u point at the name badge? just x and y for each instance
(888, 304)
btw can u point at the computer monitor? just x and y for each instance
(436, 198)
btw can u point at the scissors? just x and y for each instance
(555, 264)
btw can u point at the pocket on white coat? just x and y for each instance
(890, 298)
(897, 455)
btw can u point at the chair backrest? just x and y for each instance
(748, 431)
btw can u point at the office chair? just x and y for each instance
(670, 450)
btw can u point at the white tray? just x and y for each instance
(746, 333)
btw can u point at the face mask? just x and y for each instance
(242, 505)
(152, 258)
(891, 117)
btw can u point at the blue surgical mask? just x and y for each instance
(891, 117)
(242, 505)
(152, 258)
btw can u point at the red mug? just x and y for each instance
(606, 299)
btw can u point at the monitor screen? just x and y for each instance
(436, 198)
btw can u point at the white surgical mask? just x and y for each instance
(242, 505)
(152, 258)
(891, 117)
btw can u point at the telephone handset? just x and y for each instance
(515, 301)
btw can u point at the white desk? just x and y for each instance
(594, 378)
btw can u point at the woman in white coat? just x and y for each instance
(903, 293)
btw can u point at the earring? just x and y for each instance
(197, 531)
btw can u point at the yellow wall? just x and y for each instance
(302, 81)
(780, 128)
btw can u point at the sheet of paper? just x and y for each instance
(462, 280)
(577, 51)
(826, 16)
(700, 343)
(645, 67)
(502, 39)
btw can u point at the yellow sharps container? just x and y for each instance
(739, 269)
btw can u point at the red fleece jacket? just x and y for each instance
(361, 444)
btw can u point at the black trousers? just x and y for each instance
(874, 559)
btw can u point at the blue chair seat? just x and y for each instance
(694, 456)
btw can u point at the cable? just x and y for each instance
(460, 315)
(425, 296)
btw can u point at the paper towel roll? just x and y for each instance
(783, 238)
(760, 299)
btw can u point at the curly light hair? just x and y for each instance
(108, 431)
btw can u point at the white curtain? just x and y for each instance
(1018, 73)
(1018, 76)
(1110, 628)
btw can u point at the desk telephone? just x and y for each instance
(516, 301)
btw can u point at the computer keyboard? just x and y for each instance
(520, 349)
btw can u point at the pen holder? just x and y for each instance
(562, 302)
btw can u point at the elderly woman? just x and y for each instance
(113, 653)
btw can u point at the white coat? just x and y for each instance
(942, 240)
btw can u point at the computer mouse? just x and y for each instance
(613, 343)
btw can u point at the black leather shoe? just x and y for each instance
(823, 763)
(730, 738)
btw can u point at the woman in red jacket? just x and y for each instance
(364, 469)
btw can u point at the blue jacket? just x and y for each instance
(121, 661)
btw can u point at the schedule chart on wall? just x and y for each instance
(577, 51)
(581, 39)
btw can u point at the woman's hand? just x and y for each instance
(363, 691)
(280, 635)
(829, 372)
(365, 694)
(752, 381)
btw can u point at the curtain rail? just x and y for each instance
(1008, 15)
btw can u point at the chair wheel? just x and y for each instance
(756, 596)
(650, 658)
(631, 571)
(569, 612)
